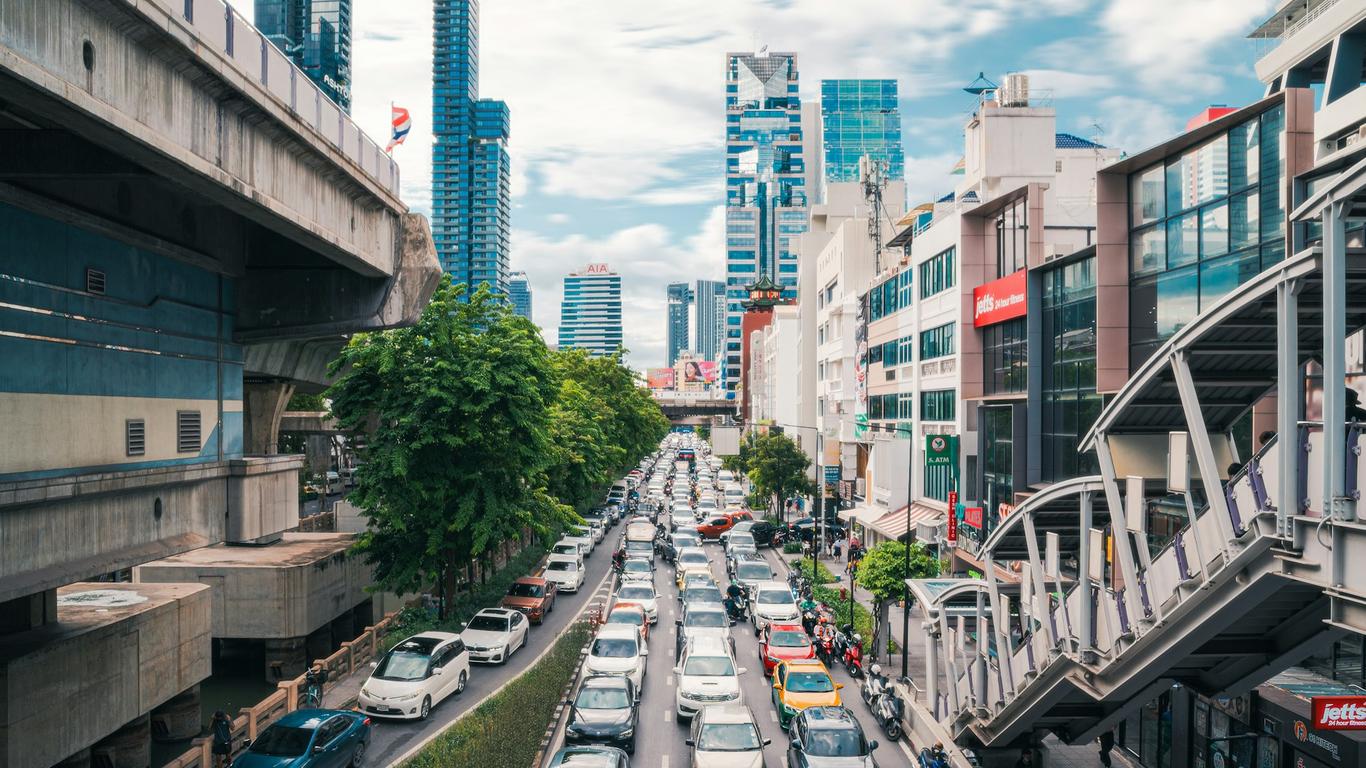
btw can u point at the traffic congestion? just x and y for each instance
(710, 653)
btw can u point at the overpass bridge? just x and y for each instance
(1269, 568)
(191, 229)
(691, 410)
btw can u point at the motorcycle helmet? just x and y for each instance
(858, 639)
(877, 669)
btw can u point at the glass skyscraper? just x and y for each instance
(709, 319)
(680, 300)
(316, 36)
(766, 195)
(470, 168)
(860, 117)
(590, 311)
(519, 293)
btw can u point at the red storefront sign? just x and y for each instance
(973, 516)
(953, 518)
(1339, 713)
(999, 300)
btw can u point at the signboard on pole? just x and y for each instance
(938, 450)
(832, 474)
(953, 519)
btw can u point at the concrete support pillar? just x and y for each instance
(28, 612)
(318, 452)
(286, 659)
(263, 403)
(179, 718)
(128, 747)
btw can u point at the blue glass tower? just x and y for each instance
(519, 293)
(316, 36)
(860, 117)
(680, 300)
(470, 167)
(765, 184)
(709, 319)
(590, 311)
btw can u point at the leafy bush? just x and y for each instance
(502, 732)
(826, 589)
(792, 548)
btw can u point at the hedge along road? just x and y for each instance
(392, 741)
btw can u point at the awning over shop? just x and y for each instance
(863, 514)
(894, 524)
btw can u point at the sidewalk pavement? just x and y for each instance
(1057, 754)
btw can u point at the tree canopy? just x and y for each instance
(883, 570)
(777, 467)
(476, 433)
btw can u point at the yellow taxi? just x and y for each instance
(702, 572)
(801, 684)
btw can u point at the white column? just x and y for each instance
(1334, 367)
(1202, 448)
(1289, 397)
(1084, 576)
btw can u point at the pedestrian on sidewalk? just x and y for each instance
(1107, 743)
(220, 728)
(835, 547)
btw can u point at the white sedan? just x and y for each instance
(566, 571)
(493, 634)
(641, 593)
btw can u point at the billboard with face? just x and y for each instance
(699, 370)
(660, 378)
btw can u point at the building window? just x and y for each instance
(1005, 357)
(998, 487)
(1012, 238)
(889, 357)
(1202, 224)
(938, 405)
(936, 275)
(187, 432)
(1069, 403)
(936, 342)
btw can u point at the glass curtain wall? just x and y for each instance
(1012, 236)
(1201, 224)
(1070, 404)
(998, 482)
(1005, 357)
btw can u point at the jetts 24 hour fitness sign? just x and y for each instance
(1340, 713)
(999, 300)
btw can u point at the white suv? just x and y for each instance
(618, 650)
(706, 675)
(770, 602)
(415, 676)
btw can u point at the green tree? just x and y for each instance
(637, 424)
(777, 467)
(883, 572)
(456, 411)
(582, 458)
(739, 463)
(305, 401)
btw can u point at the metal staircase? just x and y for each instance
(1267, 568)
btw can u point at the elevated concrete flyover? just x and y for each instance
(687, 410)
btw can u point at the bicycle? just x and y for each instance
(311, 697)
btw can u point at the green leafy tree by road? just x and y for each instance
(457, 412)
(739, 462)
(777, 467)
(883, 572)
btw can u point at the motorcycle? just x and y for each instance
(853, 656)
(883, 702)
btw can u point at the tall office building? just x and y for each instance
(765, 185)
(860, 117)
(470, 168)
(709, 318)
(680, 300)
(519, 293)
(316, 36)
(590, 311)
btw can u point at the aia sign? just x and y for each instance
(999, 300)
(1339, 713)
(597, 269)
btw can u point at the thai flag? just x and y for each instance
(402, 123)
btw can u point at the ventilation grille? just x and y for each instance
(94, 281)
(135, 437)
(187, 432)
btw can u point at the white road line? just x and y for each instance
(671, 681)
(669, 715)
(773, 715)
(664, 761)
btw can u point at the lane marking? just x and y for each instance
(671, 681)
(664, 761)
(669, 715)
(773, 715)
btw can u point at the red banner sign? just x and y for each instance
(999, 300)
(973, 516)
(1339, 713)
(953, 528)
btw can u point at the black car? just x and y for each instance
(807, 528)
(828, 736)
(762, 531)
(604, 711)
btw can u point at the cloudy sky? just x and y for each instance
(617, 105)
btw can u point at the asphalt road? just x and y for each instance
(660, 735)
(392, 739)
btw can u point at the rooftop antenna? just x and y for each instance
(980, 85)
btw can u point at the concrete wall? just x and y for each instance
(66, 686)
(285, 590)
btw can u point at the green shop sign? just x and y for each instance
(941, 450)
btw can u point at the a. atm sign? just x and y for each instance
(999, 300)
(1339, 713)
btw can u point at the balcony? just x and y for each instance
(1300, 30)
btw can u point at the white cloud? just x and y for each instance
(1169, 44)
(647, 257)
(558, 218)
(1130, 123)
(1064, 85)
